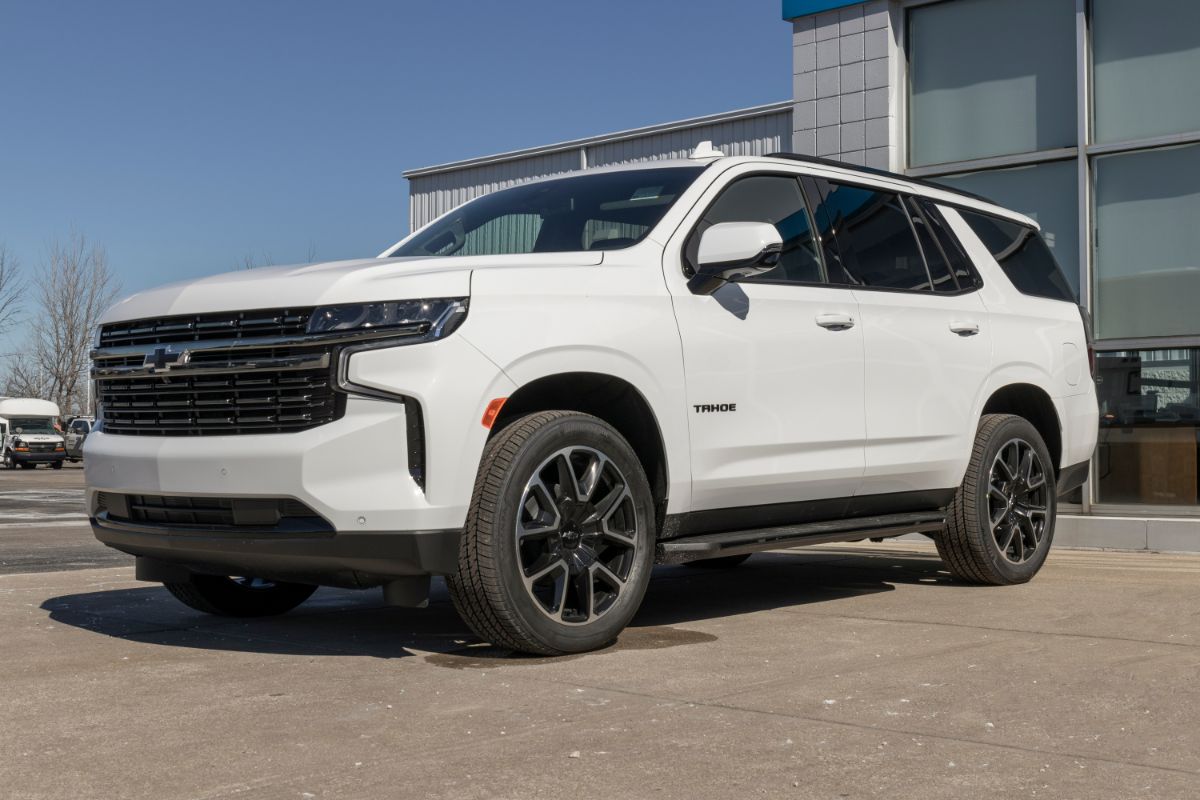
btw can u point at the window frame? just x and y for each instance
(689, 269)
(821, 186)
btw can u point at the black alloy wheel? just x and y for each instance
(1017, 504)
(576, 535)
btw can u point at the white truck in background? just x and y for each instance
(29, 433)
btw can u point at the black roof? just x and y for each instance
(883, 173)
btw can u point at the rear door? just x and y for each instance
(774, 367)
(926, 336)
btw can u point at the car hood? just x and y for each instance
(38, 438)
(331, 282)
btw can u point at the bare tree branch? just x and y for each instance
(72, 289)
(10, 289)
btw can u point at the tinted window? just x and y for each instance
(960, 265)
(1022, 254)
(592, 211)
(876, 240)
(775, 199)
(935, 258)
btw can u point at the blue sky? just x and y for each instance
(184, 136)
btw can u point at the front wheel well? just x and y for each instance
(1033, 404)
(612, 399)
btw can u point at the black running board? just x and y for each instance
(716, 545)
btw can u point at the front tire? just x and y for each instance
(1001, 524)
(239, 597)
(559, 541)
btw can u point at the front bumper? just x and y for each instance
(351, 559)
(38, 458)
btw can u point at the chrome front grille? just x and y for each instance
(172, 377)
(206, 327)
(266, 401)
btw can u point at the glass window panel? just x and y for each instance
(990, 78)
(1147, 244)
(1141, 54)
(875, 238)
(1149, 427)
(775, 199)
(1022, 254)
(1049, 193)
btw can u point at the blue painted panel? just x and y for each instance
(802, 8)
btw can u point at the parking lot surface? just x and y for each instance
(859, 671)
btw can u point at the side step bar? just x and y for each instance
(715, 545)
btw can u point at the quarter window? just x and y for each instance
(776, 199)
(1022, 254)
(875, 238)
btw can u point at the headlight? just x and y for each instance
(430, 319)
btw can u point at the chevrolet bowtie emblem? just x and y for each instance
(162, 359)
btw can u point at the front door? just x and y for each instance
(774, 369)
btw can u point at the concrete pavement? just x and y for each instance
(858, 672)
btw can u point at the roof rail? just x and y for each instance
(883, 173)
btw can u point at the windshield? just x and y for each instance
(598, 211)
(30, 425)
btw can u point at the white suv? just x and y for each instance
(555, 386)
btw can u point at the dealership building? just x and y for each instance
(1084, 114)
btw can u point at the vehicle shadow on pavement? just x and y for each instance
(347, 622)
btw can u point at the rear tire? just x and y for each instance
(239, 597)
(558, 546)
(724, 562)
(56, 465)
(1001, 524)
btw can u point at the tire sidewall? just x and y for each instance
(1015, 428)
(574, 431)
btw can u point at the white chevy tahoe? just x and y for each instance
(551, 388)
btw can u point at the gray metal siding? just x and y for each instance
(433, 192)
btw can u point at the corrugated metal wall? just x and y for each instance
(755, 131)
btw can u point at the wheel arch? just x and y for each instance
(1032, 403)
(610, 398)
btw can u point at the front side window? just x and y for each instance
(1022, 254)
(877, 245)
(596, 211)
(775, 199)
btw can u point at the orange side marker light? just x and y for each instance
(492, 411)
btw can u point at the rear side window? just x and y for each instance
(935, 256)
(1022, 254)
(875, 238)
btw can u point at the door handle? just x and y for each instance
(837, 321)
(965, 328)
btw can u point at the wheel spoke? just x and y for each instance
(1007, 543)
(999, 517)
(545, 566)
(601, 570)
(1010, 470)
(584, 596)
(568, 488)
(607, 505)
(591, 476)
(1026, 467)
(547, 518)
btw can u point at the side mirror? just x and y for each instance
(730, 251)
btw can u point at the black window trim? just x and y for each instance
(823, 183)
(799, 177)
